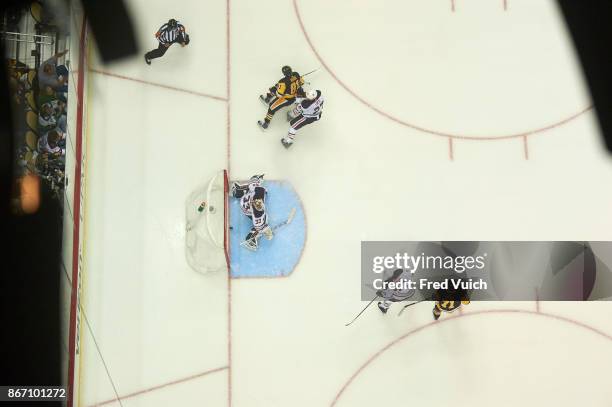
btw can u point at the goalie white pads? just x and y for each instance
(251, 241)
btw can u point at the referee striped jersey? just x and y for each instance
(167, 35)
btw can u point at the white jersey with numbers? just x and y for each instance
(312, 108)
(259, 218)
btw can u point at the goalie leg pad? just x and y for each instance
(253, 235)
(250, 245)
(251, 241)
(267, 232)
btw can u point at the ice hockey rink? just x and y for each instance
(443, 120)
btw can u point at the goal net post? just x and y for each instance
(206, 214)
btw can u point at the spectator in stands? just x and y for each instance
(51, 144)
(47, 95)
(54, 76)
(16, 66)
(52, 114)
(20, 74)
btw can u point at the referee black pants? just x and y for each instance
(156, 53)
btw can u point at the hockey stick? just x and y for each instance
(288, 221)
(409, 305)
(313, 71)
(363, 310)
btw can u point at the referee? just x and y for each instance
(167, 35)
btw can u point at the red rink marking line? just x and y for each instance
(421, 129)
(228, 71)
(451, 154)
(76, 217)
(464, 315)
(72, 327)
(158, 85)
(161, 386)
(525, 148)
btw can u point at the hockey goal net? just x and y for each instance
(206, 239)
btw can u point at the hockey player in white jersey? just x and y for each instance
(394, 295)
(252, 197)
(306, 111)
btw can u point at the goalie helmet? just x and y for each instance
(311, 94)
(287, 71)
(256, 179)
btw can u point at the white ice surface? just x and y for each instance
(478, 71)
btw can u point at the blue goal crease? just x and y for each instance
(279, 256)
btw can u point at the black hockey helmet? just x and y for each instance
(172, 23)
(287, 71)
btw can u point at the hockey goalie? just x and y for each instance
(252, 197)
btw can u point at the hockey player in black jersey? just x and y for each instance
(448, 300)
(307, 110)
(287, 71)
(252, 197)
(282, 94)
